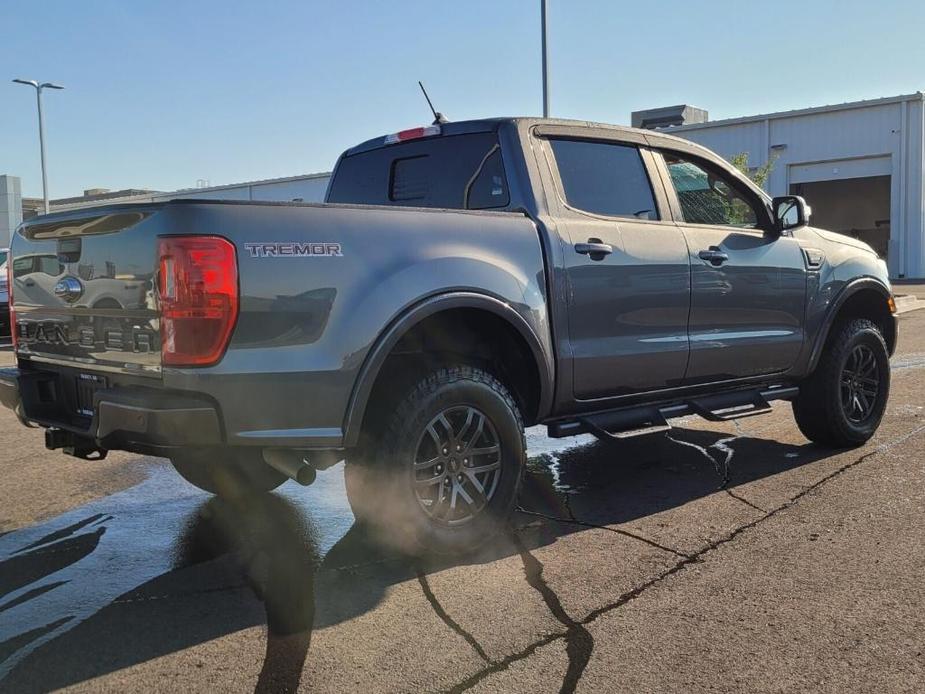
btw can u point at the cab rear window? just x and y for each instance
(463, 172)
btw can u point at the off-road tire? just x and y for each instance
(818, 408)
(380, 475)
(227, 472)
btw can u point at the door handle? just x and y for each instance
(594, 248)
(714, 255)
(29, 283)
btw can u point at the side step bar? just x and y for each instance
(651, 419)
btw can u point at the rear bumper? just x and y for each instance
(133, 418)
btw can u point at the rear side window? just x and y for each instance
(462, 172)
(604, 178)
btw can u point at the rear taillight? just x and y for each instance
(9, 298)
(197, 288)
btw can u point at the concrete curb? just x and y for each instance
(907, 302)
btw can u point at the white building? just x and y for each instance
(303, 188)
(13, 208)
(859, 165)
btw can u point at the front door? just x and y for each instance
(748, 284)
(628, 272)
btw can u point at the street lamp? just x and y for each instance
(38, 98)
(545, 41)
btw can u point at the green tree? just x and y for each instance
(758, 174)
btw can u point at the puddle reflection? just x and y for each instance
(193, 568)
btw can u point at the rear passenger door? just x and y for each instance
(627, 269)
(748, 282)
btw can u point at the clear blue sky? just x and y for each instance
(160, 94)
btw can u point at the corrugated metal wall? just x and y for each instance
(305, 188)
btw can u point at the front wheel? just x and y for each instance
(842, 403)
(444, 472)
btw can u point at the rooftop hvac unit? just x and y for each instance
(669, 116)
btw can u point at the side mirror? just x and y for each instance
(790, 211)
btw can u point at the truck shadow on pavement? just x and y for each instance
(245, 563)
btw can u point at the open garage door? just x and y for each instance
(851, 197)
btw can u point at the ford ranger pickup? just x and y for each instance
(461, 282)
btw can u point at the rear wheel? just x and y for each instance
(444, 470)
(842, 403)
(226, 472)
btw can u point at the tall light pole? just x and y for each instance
(38, 98)
(545, 59)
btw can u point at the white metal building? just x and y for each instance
(303, 188)
(859, 165)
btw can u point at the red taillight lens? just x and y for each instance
(9, 298)
(412, 134)
(197, 288)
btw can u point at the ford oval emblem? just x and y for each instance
(69, 289)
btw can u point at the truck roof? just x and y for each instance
(481, 125)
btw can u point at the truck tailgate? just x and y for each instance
(82, 290)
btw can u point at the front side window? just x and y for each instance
(706, 197)
(604, 178)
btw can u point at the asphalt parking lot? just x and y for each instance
(628, 568)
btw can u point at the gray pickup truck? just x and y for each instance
(461, 282)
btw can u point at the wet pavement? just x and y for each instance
(628, 567)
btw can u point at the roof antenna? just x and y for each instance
(439, 118)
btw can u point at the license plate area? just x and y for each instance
(86, 386)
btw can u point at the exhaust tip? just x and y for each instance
(290, 463)
(306, 474)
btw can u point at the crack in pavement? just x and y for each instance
(618, 531)
(744, 501)
(634, 593)
(567, 502)
(449, 621)
(579, 644)
(578, 640)
(723, 468)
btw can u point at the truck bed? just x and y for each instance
(318, 284)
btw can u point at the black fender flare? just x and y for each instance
(413, 315)
(849, 290)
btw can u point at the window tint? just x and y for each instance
(409, 179)
(604, 178)
(706, 197)
(452, 171)
(488, 188)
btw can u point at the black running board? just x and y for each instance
(651, 419)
